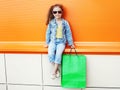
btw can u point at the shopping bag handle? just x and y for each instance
(74, 50)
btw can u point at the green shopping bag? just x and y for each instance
(73, 71)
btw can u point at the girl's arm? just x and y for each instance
(48, 32)
(69, 35)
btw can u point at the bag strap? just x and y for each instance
(74, 50)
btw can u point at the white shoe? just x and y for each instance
(53, 76)
(58, 74)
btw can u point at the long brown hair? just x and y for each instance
(50, 14)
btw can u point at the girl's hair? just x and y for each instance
(50, 14)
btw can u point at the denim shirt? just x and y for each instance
(66, 32)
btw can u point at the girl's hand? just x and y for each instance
(72, 46)
(46, 46)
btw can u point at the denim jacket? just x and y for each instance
(66, 32)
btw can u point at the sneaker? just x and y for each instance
(58, 74)
(53, 76)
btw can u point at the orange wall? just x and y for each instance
(90, 20)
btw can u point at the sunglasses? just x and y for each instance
(55, 12)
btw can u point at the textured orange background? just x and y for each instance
(90, 20)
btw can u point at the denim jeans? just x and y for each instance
(55, 50)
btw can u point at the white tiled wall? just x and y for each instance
(2, 69)
(23, 87)
(47, 70)
(32, 72)
(2, 87)
(58, 88)
(100, 89)
(24, 68)
(103, 70)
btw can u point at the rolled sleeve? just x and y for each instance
(68, 34)
(48, 32)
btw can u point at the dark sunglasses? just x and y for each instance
(55, 12)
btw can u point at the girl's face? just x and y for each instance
(57, 12)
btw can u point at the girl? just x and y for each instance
(57, 34)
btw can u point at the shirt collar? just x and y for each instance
(54, 21)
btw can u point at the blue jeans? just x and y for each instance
(55, 50)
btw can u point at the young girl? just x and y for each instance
(57, 35)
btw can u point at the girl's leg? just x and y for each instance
(51, 52)
(56, 68)
(51, 56)
(59, 50)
